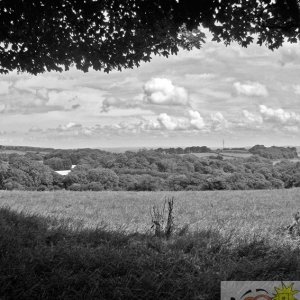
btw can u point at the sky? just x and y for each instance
(244, 96)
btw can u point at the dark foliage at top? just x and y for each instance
(41, 35)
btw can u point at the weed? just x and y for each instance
(294, 227)
(163, 226)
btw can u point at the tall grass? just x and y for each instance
(68, 245)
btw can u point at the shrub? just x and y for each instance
(75, 187)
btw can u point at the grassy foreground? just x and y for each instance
(98, 245)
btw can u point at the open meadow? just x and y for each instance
(74, 245)
(224, 154)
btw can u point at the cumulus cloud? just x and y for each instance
(196, 119)
(249, 120)
(252, 118)
(163, 124)
(268, 118)
(171, 123)
(279, 115)
(161, 91)
(250, 89)
(4, 87)
(193, 121)
(218, 122)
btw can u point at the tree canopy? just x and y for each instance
(43, 35)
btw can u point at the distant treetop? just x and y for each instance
(45, 35)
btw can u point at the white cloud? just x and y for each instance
(279, 115)
(193, 121)
(200, 77)
(161, 91)
(171, 123)
(4, 87)
(196, 119)
(250, 88)
(70, 125)
(68, 130)
(252, 118)
(292, 129)
(289, 54)
(218, 121)
(297, 89)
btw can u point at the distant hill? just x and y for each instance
(274, 152)
(24, 149)
(187, 150)
(122, 149)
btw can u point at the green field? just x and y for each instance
(99, 245)
(225, 155)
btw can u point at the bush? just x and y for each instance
(94, 186)
(106, 177)
(75, 187)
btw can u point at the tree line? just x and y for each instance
(145, 170)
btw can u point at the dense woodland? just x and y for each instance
(147, 170)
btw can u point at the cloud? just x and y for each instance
(161, 91)
(279, 115)
(218, 122)
(23, 103)
(292, 129)
(70, 125)
(252, 118)
(33, 83)
(289, 55)
(196, 119)
(170, 123)
(4, 87)
(200, 77)
(26, 101)
(193, 121)
(249, 120)
(35, 129)
(296, 89)
(68, 130)
(110, 102)
(250, 89)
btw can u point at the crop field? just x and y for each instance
(100, 245)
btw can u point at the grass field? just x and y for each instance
(225, 155)
(99, 245)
